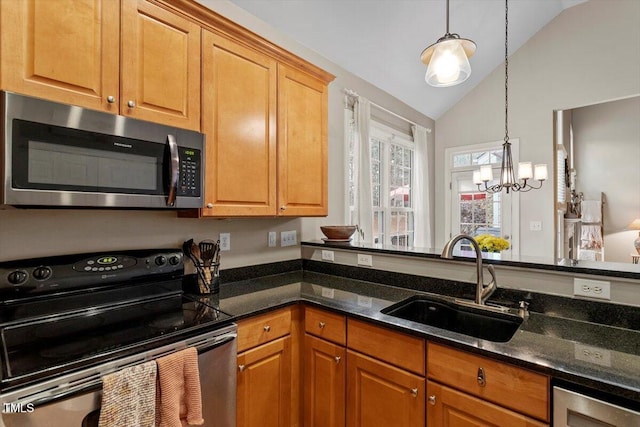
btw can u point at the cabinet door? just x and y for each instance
(70, 57)
(302, 144)
(379, 394)
(264, 385)
(160, 66)
(448, 407)
(323, 383)
(239, 119)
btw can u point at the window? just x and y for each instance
(392, 175)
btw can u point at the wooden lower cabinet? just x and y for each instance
(264, 385)
(448, 408)
(324, 383)
(379, 394)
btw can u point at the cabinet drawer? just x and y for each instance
(263, 328)
(399, 349)
(512, 387)
(324, 324)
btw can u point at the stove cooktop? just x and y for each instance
(47, 333)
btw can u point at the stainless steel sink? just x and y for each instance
(491, 323)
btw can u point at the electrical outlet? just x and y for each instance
(288, 238)
(272, 239)
(327, 255)
(592, 288)
(328, 293)
(535, 225)
(366, 260)
(225, 241)
(598, 356)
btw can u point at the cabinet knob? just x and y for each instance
(321, 325)
(432, 400)
(338, 358)
(283, 208)
(111, 99)
(210, 205)
(414, 392)
(241, 368)
(482, 379)
(131, 104)
(267, 328)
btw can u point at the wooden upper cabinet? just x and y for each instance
(160, 66)
(64, 50)
(239, 118)
(302, 144)
(70, 51)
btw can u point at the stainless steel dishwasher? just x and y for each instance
(571, 409)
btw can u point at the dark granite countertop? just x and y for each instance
(601, 357)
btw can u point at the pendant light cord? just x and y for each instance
(447, 32)
(506, 71)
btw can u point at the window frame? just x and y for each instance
(388, 136)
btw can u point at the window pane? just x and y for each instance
(460, 160)
(378, 227)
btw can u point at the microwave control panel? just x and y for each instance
(189, 184)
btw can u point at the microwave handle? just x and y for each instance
(174, 170)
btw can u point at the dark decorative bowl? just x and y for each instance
(338, 232)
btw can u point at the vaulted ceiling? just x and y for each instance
(381, 40)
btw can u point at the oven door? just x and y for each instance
(59, 155)
(78, 404)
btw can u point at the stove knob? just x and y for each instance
(17, 277)
(161, 260)
(174, 260)
(42, 273)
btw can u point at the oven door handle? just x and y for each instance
(174, 170)
(83, 389)
(208, 344)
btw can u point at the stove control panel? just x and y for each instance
(41, 275)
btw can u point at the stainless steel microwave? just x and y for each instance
(61, 155)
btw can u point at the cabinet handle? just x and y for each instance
(432, 399)
(283, 208)
(482, 379)
(241, 368)
(209, 205)
(131, 104)
(338, 358)
(111, 99)
(414, 392)
(321, 325)
(267, 328)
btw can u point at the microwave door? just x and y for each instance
(174, 170)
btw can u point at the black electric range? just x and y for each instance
(65, 313)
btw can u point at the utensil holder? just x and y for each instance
(208, 278)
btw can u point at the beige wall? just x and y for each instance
(588, 54)
(33, 233)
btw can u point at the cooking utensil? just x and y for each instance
(192, 250)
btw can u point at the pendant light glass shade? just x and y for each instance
(449, 64)
(447, 60)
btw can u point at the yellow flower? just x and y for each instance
(490, 243)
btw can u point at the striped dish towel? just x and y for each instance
(129, 397)
(179, 399)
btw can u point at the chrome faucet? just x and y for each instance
(482, 292)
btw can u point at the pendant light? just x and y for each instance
(447, 59)
(525, 169)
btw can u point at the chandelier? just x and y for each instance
(526, 171)
(447, 59)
